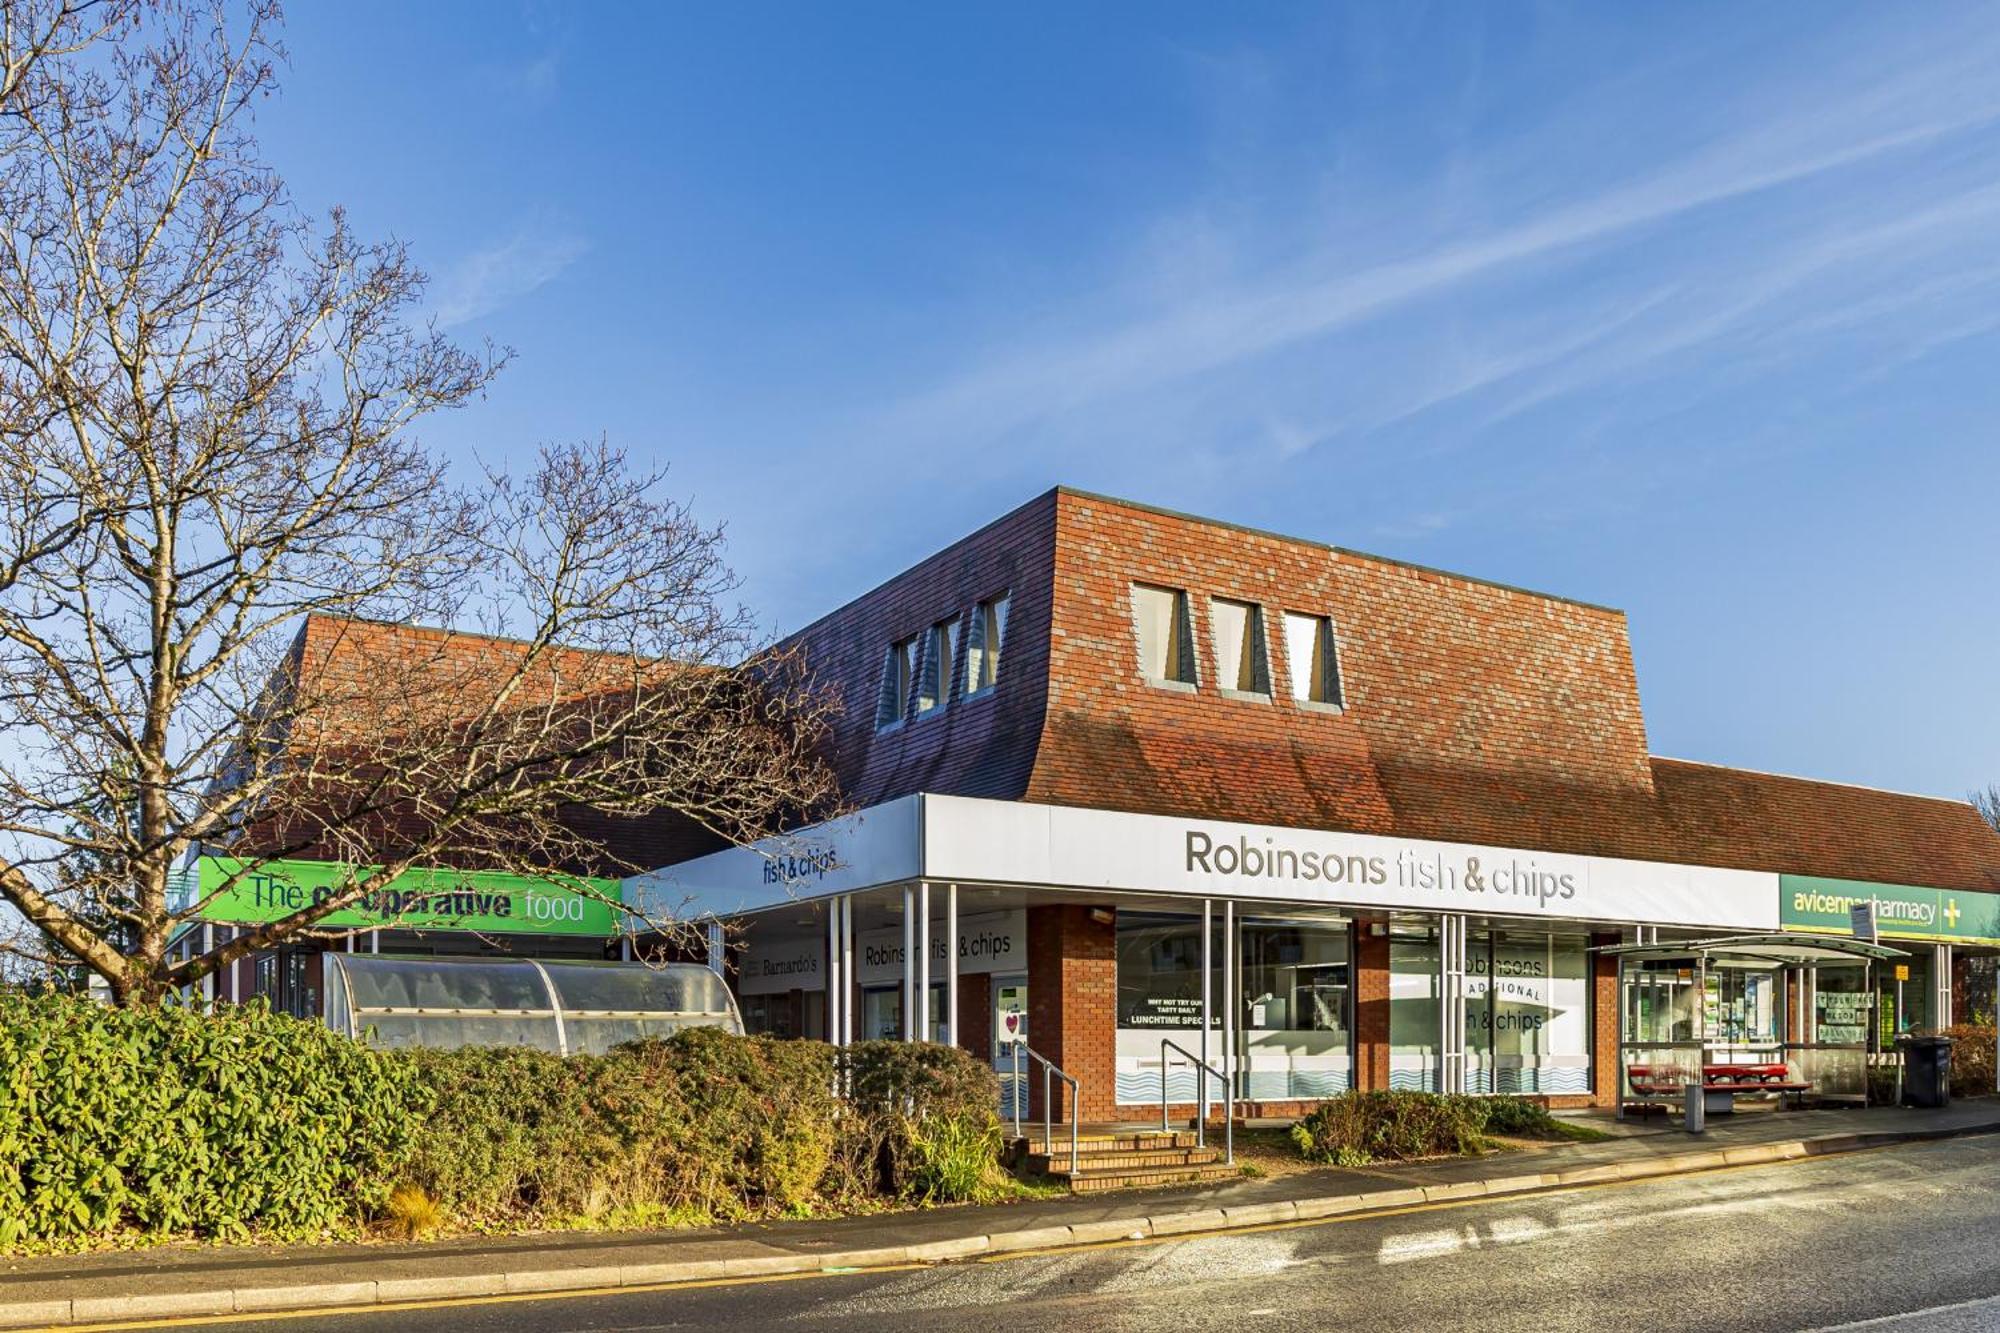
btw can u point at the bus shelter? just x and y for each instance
(1782, 1015)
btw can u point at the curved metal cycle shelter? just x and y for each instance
(1785, 1014)
(561, 1005)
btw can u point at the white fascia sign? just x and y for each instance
(1010, 842)
(879, 845)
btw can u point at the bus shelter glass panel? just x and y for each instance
(1294, 1025)
(1743, 1007)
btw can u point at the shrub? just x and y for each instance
(1971, 1059)
(1358, 1127)
(956, 1158)
(893, 1089)
(171, 1120)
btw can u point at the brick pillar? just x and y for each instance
(975, 1014)
(1604, 1024)
(1371, 1004)
(1073, 1004)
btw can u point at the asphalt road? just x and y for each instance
(1898, 1240)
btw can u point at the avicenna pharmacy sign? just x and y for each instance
(484, 901)
(1902, 912)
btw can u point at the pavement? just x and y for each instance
(196, 1281)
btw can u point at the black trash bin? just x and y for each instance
(1926, 1070)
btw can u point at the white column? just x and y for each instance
(1941, 1015)
(374, 941)
(832, 978)
(909, 963)
(625, 948)
(208, 946)
(1230, 1009)
(924, 961)
(847, 988)
(951, 964)
(1201, 1075)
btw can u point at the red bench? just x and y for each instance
(1720, 1083)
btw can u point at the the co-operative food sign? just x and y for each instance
(486, 901)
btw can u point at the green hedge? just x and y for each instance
(175, 1122)
(166, 1121)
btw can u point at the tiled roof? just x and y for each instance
(1475, 712)
(1761, 821)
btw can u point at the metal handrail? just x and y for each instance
(1049, 1073)
(1201, 1100)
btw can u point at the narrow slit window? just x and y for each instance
(1313, 657)
(940, 652)
(982, 649)
(1242, 666)
(1166, 636)
(899, 673)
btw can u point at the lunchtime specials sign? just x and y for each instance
(1902, 912)
(484, 901)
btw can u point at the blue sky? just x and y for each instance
(1692, 310)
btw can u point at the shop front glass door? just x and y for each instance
(1010, 1025)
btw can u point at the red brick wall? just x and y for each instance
(1371, 1006)
(1073, 1004)
(1474, 712)
(975, 1014)
(1604, 1024)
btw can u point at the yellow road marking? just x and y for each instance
(1075, 1247)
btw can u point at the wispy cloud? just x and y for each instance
(506, 270)
(1853, 126)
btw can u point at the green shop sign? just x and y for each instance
(486, 901)
(1944, 916)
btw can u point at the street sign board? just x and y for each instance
(1861, 920)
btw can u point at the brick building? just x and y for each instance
(1410, 805)
(363, 684)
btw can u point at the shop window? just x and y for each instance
(940, 653)
(1527, 1011)
(982, 650)
(1166, 635)
(1312, 658)
(899, 675)
(1293, 1023)
(1242, 665)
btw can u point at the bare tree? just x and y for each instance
(214, 518)
(1987, 803)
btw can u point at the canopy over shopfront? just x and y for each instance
(1798, 1008)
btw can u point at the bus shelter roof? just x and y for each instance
(1792, 948)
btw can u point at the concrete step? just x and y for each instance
(1058, 1163)
(1094, 1182)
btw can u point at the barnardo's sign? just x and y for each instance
(1902, 912)
(988, 942)
(484, 901)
